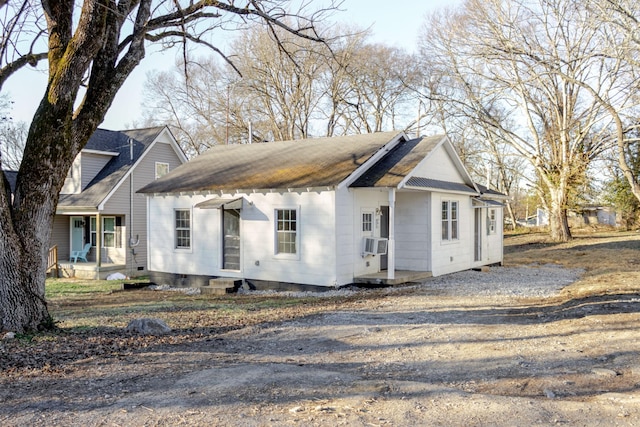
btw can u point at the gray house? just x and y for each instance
(99, 214)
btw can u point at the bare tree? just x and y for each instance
(194, 104)
(616, 22)
(96, 49)
(498, 62)
(380, 78)
(281, 88)
(306, 89)
(12, 140)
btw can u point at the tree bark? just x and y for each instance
(558, 222)
(94, 45)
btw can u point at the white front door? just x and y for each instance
(77, 233)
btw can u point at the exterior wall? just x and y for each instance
(491, 242)
(438, 166)
(60, 236)
(313, 265)
(91, 164)
(413, 231)
(369, 200)
(347, 247)
(134, 249)
(73, 183)
(454, 255)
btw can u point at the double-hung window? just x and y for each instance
(286, 231)
(367, 222)
(449, 220)
(110, 232)
(183, 228)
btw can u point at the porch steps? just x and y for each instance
(221, 286)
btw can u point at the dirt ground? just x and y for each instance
(413, 356)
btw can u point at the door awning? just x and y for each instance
(218, 203)
(479, 202)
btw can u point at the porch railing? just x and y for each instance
(52, 261)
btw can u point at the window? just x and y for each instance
(161, 169)
(449, 220)
(183, 229)
(111, 232)
(286, 231)
(491, 222)
(93, 231)
(367, 221)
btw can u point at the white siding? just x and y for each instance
(491, 243)
(438, 166)
(413, 231)
(453, 255)
(347, 246)
(73, 183)
(313, 265)
(366, 199)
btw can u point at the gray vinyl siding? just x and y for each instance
(60, 236)
(118, 204)
(92, 164)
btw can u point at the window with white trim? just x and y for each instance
(449, 220)
(183, 228)
(367, 222)
(110, 232)
(161, 169)
(491, 221)
(286, 231)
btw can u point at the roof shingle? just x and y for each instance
(321, 162)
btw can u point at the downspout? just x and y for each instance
(391, 249)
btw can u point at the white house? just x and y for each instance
(327, 212)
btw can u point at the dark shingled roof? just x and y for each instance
(113, 172)
(489, 192)
(398, 163)
(416, 181)
(12, 177)
(321, 162)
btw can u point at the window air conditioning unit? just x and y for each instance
(374, 246)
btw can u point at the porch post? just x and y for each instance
(391, 248)
(98, 244)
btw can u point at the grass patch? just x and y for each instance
(67, 287)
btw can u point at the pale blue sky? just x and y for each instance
(396, 23)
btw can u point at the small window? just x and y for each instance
(161, 169)
(286, 231)
(449, 220)
(491, 221)
(183, 229)
(367, 221)
(93, 231)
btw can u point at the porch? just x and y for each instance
(400, 277)
(90, 270)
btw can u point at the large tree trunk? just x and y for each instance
(22, 303)
(558, 223)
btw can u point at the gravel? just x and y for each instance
(533, 280)
(523, 281)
